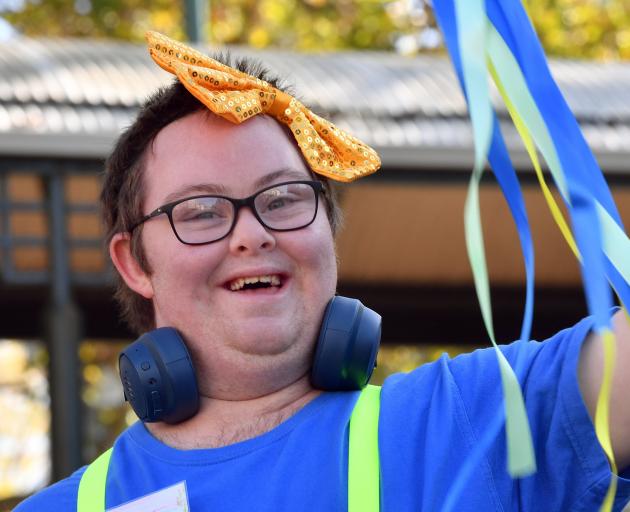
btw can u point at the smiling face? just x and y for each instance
(245, 342)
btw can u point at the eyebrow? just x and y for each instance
(268, 179)
(193, 190)
(218, 189)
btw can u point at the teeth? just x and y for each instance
(239, 283)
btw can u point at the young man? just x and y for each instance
(264, 438)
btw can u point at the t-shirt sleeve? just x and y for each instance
(59, 497)
(572, 470)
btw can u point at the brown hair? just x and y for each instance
(122, 204)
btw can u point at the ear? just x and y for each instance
(128, 267)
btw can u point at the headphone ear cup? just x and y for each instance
(158, 377)
(348, 341)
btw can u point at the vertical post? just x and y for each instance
(196, 18)
(5, 252)
(63, 328)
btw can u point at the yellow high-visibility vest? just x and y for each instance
(363, 462)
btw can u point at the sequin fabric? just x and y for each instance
(237, 96)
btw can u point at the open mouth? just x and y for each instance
(270, 281)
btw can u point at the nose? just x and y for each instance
(249, 235)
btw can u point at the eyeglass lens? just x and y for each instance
(284, 207)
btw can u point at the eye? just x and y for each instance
(277, 199)
(195, 214)
(204, 209)
(204, 215)
(279, 202)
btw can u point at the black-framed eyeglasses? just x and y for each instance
(204, 219)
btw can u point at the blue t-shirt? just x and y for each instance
(430, 421)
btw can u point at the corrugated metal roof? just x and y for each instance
(72, 97)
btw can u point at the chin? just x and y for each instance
(264, 345)
(276, 334)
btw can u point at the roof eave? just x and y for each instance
(412, 158)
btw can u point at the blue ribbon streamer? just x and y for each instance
(501, 164)
(584, 180)
(584, 188)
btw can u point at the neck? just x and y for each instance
(221, 422)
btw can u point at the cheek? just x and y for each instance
(328, 264)
(179, 269)
(320, 259)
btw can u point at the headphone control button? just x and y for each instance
(157, 403)
(145, 365)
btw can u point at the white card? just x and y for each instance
(169, 499)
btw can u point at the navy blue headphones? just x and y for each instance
(159, 380)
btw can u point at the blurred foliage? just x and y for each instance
(406, 358)
(298, 24)
(25, 463)
(117, 19)
(304, 25)
(106, 414)
(24, 442)
(590, 29)
(597, 29)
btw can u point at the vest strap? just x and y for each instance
(363, 458)
(92, 486)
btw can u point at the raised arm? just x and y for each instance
(590, 377)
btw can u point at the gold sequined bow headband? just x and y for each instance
(237, 96)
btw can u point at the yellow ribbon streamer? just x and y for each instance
(602, 414)
(533, 155)
(602, 409)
